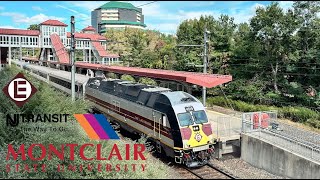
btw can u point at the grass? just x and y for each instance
(51, 101)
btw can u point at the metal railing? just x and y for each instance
(271, 132)
(226, 126)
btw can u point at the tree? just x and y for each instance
(34, 27)
(191, 32)
(269, 28)
(142, 48)
(307, 41)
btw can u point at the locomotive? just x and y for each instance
(174, 121)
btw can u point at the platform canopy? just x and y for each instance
(201, 79)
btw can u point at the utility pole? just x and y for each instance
(205, 57)
(205, 63)
(72, 49)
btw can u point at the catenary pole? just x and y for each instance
(72, 49)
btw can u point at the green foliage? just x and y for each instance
(111, 75)
(298, 114)
(147, 81)
(313, 123)
(191, 32)
(127, 78)
(34, 27)
(142, 48)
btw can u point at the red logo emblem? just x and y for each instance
(19, 89)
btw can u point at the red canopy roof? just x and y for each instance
(87, 36)
(22, 32)
(51, 22)
(207, 80)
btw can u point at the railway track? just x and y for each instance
(208, 172)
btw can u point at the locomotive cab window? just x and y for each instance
(152, 100)
(185, 119)
(200, 117)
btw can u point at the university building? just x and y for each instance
(54, 43)
(117, 15)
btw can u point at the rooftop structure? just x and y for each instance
(89, 30)
(51, 22)
(117, 15)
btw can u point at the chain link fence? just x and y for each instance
(264, 125)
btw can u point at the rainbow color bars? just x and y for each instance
(96, 126)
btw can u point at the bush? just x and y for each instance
(147, 81)
(298, 114)
(313, 123)
(112, 75)
(127, 78)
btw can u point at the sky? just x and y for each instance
(164, 16)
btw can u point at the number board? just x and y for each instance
(189, 108)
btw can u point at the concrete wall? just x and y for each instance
(277, 160)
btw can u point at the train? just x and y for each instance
(174, 121)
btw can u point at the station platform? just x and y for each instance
(79, 78)
(226, 129)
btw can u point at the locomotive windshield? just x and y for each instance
(185, 119)
(200, 117)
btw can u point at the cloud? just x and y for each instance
(242, 14)
(172, 21)
(36, 19)
(85, 19)
(74, 11)
(166, 16)
(285, 5)
(87, 5)
(37, 8)
(8, 27)
(1, 8)
(164, 27)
